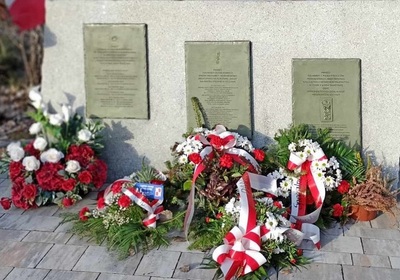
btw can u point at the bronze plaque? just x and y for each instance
(326, 93)
(218, 74)
(116, 71)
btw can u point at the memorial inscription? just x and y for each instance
(116, 71)
(326, 94)
(218, 74)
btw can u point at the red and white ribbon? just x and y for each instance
(240, 253)
(311, 181)
(153, 208)
(224, 141)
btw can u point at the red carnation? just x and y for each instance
(83, 214)
(337, 210)
(5, 203)
(293, 261)
(208, 220)
(57, 183)
(195, 158)
(226, 161)
(116, 188)
(216, 141)
(85, 177)
(98, 169)
(31, 150)
(68, 185)
(299, 252)
(219, 215)
(20, 203)
(124, 201)
(277, 204)
(67, 202)
(101, 203)
(15, 169)
(259, 155)
(29, 191)
(343, 187)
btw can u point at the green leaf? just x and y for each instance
(39, 200)
(187, 186)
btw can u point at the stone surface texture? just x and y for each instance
(278, 30)
(356, 251)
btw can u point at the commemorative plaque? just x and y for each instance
(116, 71)
(326, 94)
(218, 75)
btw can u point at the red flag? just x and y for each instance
(27, 14)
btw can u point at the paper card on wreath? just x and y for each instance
(151, 191)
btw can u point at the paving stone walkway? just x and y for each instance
(34, 246)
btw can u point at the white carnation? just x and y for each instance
(35, 128)
(31, 163)
(67, 112)
(73, 166)
(51, 155)
(56, 119)
(84, 135)
(40, 143)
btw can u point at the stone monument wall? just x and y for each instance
(278, 31)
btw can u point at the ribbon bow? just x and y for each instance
(240, 254)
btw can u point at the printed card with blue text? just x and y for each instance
(151, 191)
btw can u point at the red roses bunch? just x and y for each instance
(59, 165)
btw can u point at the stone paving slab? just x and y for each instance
(107, 276)
(158, 263)
(12, 235)
(71, 275)
(49, 210)
(393, 234)
(4, 271)
(85, 241)
(369, 273)
(23, 254)
(29, 222)
(395, 262)
(314, 271)
(99, 259)
(62, 257)
(27, 274)
(319, 256)
(381, 247)
(193, 261)
(371, 260)
(47, 237)
(331, 243)
(385, 221)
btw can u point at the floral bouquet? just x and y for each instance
(255, 231)
(209, 163)
(129, 214)
(59, 165)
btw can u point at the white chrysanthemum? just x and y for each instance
(278, 250)
(302, 155)
(179, 148)
(324, 164)
(286, 184)
(283, 193)
(329, 183)
(292, 147)
(276, 175)
(309, 150)
(320, 175)
(55, 119)
(198, 129)
(35, 128)
(271, 222)
(51, 155)
(316, 165)
(183, 159)
(187, 150)
(73, 166)
(333, 163)
(84, 135)
(197, 144)
(31, 163)
(266, 200)
(40, 143)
